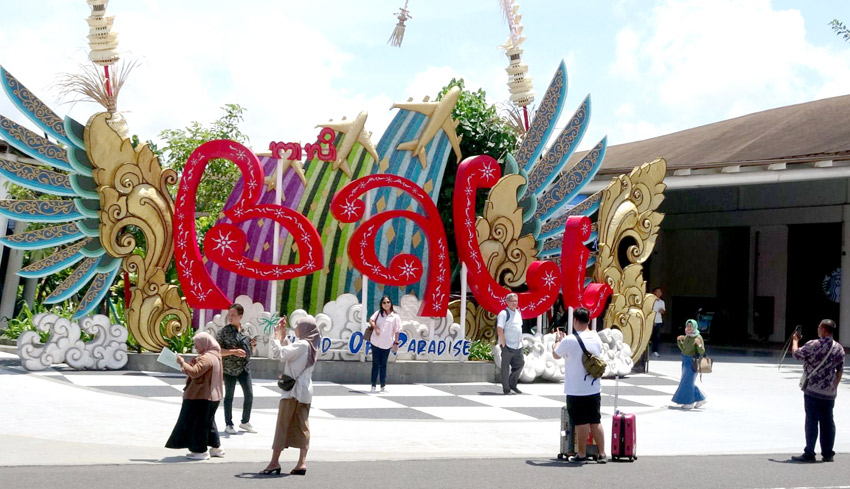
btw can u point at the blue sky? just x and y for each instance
(652, 67)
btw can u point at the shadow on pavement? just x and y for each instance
(254, 475)
(177, 459)
(552, 463)
(795, 462)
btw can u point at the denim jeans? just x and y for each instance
(819, 413)
(379, 364)
(248, 392)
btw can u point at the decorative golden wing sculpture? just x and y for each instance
(628, 219)
(133, 191)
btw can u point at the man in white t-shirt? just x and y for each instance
(509, 330)
(660, 309)
(584, 391)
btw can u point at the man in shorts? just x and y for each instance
(584, 391)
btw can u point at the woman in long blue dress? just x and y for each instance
(692, 346)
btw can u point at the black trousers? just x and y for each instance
(655, 339)
(819, 414)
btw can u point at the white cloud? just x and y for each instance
(727, 58)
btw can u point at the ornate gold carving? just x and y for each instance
(558, 223)
(546, 115)
(33, 104)
(53, 153)
(42, 210)
(133, 191)
(480, 324)
(36, 175)
(45, 237)
(563, 145)
(74, 279)
(57, 257)
(506, 253)
(628, 217)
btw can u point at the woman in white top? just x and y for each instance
(386, 325)
(299, 357)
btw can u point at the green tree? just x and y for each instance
(220, 175)
(482, 132)
(840, 29)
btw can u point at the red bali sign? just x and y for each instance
(225, 243)
(323, 148)
(574, 256)
(403, 269)
(543, 277)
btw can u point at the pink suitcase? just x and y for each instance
(623, 437)
(623, 432)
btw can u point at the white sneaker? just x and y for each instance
(198, 456)
(687, 406)
(701, 403)
(247, 427)
(374, 390)
(383, 390)
(216, 452)
(230, 430)
(655, 354)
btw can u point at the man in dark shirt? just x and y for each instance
(235, 355)
(823, 360)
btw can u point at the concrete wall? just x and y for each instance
(773, 272)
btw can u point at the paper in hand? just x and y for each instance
(168, 358)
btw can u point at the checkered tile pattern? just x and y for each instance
(451, 402)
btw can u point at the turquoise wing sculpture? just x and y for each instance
(552, 191)
(56, 165)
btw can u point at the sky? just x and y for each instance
(651, 67)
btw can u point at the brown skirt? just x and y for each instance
(292, 429)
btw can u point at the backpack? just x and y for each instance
(594, 365)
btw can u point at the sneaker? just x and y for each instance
(602, 458)
(701, 403)
(655, 354)
(516, 389)
(383, 390)
(828, 459)
(688, 406)
(803, 458)
(198, 456)
(230, 430)
(216, 452)
(374, 390)
(575, 459)
(247, 427)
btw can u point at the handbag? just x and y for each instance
(286, 382)
(705, 364)
(367, 335)
(702, 364)
(804, 379)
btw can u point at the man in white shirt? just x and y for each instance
(509, 330)
(660, 309)
(584, 391)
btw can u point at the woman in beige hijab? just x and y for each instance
(195, 428)
(299, 357)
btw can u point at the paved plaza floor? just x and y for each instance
(64, 417)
